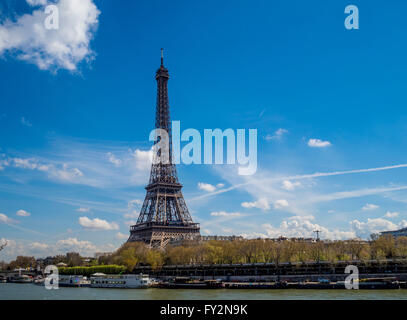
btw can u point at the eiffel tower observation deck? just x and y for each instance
(164, 214)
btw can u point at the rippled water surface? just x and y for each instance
(30, 292)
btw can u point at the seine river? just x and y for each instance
(32, 292)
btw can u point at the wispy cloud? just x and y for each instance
(84, 163)
(25, 122)
(281, 204)
(369, 206)
(277, 135)
(113, 159)
(225, 214)
(41, 249)
(5, 219)
(270, 180)
(355, 193)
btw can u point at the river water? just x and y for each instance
(32, 292)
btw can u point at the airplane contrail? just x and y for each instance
(304, 176)
(336, 173)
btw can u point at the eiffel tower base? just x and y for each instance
(158, 235)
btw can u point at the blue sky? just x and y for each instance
(77, 105)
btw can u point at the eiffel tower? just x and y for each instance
(164, 214)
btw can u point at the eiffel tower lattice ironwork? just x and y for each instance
(164, 214)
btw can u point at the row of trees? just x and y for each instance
(20, 262)
(134, 254)
(71, 259)
(257, 251)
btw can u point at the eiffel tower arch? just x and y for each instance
(164, 214)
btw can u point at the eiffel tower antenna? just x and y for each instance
(164, 214)
(317, 232)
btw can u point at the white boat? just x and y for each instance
(129, 281)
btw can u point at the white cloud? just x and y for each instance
(83, 210)
(75, 245)
(29, 40)
(38, 249)
(25, 122)
(280, 204)
(38, 246)
(317, 143)
(391, 214)
(5, 219)
(36, 2)
(97, 224)
(261, 203)
(143, 159)
(377, 225)
(121, 236)
(225, 214)
(209, 187)
(23, 213)
(303, 227)
(369, 206)
(289, 186)
(277, 135)
(206, 187)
